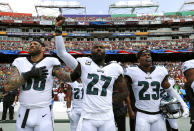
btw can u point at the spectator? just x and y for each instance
(61, 95)
(182, 92)
(9, 101)
(176, 86)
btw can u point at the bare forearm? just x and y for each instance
(14, 82)
(121, 85)
(129, 103)
(119, 97)
(61, 75)
(64, 76)
(16, 98)
(68, 103)
(69, 96)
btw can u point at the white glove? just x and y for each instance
(185, 112)
(69, 114)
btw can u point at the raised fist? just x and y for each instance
(60, 20)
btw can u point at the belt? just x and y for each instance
(25, 118)
(146, 112)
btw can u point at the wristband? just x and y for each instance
(58, 30)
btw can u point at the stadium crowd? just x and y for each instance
(132, 45)
(109, 45)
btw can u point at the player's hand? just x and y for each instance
(185, 112)
(69, 114)
(60, 20)
(40, 72)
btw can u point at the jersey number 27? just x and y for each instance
(95, 78)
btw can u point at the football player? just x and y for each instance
(34, 76)
(146, 81)
(75, 93)
(188, 70)
(98, 80)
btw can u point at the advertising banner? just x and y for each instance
(17, 21)
(46, 22)
(123, 34)
(82, 23)
(79, 34)
(131, 22)
(119, 23)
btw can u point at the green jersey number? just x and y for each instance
(37, 84)
(145, 84)
(95, 78)
(76, 93)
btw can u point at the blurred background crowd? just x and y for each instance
(109, 45)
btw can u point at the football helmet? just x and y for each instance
(170, 107)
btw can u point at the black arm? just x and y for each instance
(121, 85)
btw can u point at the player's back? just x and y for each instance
(98, 86)
(36, 92)
(146, 87)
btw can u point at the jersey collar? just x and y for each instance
(152, 69)
(28, 58)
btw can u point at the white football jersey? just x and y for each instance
(188, 65)
(98, 85)
(77, 94)
(36, 92)
(146, 87)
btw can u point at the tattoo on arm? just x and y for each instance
(14, 80)
(61, 75)
(121, 85)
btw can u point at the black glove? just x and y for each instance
(40, 72)
(58, 25)
(60, 17)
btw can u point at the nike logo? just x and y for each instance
(44, 115)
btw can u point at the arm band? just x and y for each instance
(68, 59)
(58, 30)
